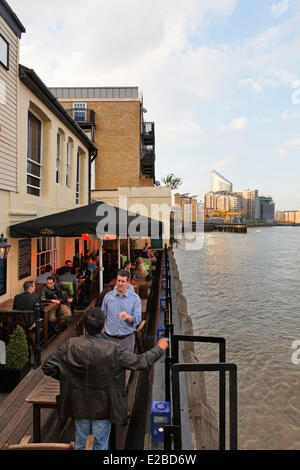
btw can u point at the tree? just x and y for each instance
(172, 181)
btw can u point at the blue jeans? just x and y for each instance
(100, 428)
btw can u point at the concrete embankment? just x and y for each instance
(202, 419)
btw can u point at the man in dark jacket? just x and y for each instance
(27, 301)
(58, 294)
(89, 369)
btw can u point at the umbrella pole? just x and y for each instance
(100, 266)
(119, 253)
(128, 248)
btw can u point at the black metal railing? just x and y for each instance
(148, 134)
(82, 116)
(172, 367)
(222, 377)
(176, 426)
(147, 162)
(20, 317)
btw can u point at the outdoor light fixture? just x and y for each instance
(85, 236)
(4, 247)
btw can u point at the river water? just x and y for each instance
(246, 288)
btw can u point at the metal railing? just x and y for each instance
(12, 316)
(172, 366)
(82, 115)
(175, 429)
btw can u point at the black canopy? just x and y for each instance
(97, 218)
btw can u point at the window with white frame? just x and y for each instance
(4, 52)
(46, 254)
(58, 157)
(34, 164)
(68, 169)
(77, 197)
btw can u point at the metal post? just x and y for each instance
(100, 265)
(119, 253)
(37, 346)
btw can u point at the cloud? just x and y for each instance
(278, 9)
(238, 124)
(292, 144)
(271, 79)
(286, 116)
(227, 161)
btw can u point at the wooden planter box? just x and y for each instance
(9, 378)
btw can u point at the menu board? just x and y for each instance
(2, 276)
(24, 258)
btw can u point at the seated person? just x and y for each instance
(55, 293)
(140, 270)
(42, 278)
(84, 272)
(27, 301)
(127, 266)
(91, 263)
(69, 264)
(66, 275)
(151, 255)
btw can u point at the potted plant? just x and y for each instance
(17, 361)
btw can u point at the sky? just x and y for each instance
(220, 79)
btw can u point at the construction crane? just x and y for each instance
(221, 213)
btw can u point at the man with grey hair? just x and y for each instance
(123, 311)
(89, 369)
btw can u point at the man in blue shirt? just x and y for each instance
(122, 308)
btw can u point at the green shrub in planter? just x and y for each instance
(17, 350)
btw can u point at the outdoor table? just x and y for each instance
(43, 396)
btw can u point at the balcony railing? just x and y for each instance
(82, 116)
(147, 163)
(148, 134)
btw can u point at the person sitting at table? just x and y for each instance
(42, 278)
(151, 255)
(91, 264)
(27, 301)
(66, 275)
(140, 270)
(59, 294)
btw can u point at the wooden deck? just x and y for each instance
(16, 415)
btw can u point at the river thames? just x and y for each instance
(246, 288)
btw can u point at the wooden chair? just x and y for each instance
(26, 445)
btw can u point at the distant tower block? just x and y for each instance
(218, 183)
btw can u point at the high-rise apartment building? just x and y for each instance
(218, 183)
(251, 204)
(223, 201)
(267, 209)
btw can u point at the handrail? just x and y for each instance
(222, 378)
(37, 344)
(233, 413)
(172, 356)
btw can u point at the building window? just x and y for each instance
(34, 166)
(46, 254)
(58, 157)
(78, 179)
(68, 172)
(4, 52)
